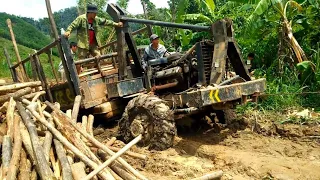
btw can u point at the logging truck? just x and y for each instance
(151, 99)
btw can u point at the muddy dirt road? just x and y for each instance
(241, 154)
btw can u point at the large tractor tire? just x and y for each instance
(150, 116)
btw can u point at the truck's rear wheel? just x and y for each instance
(150, 116)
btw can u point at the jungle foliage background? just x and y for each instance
(284, 35)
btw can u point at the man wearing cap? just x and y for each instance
(154, 51)
(88, 28)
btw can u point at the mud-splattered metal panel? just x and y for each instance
(93, 91)
(213, 95)
(125, 88)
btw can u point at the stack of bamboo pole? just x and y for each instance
(50, 144)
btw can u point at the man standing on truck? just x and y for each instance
(154, 51)
(88, 27)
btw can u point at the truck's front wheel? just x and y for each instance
(150, 116)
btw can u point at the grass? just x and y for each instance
(24, 53)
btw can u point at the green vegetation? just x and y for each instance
(62, 18)
(25, 34)
(24, 53)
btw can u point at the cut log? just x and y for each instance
(45, 113)
(69, 113)
(11, 87)
(84, 127)
(6, 154)
(124, 174)
(47, 142)
(35, 98)
(10, 117)
(214, 175)
(78, 171)
(67, 144)
(3, 131)
(75, 110)
(25, 166)
(34, 175)
(63, 123)
(44, 169)
(94, 141)
(16, 151)
(66, 170)
(55, 164)
(114, 157)
(111, 141)
(32, 95)
(27, 142)
(114, 174)
(90, 124)
(22, 74)
(84, 123)
(4, 107)
(15, 95)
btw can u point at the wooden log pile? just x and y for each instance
(39, 141)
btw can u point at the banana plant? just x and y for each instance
(179, 7)
(281, 7)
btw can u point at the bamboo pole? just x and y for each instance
(113, 157)
(67, 144)
(44, 170)
(22, 70)
(16, 151)
(96, 142)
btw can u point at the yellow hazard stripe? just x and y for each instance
(216, 95)
(211, 95)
